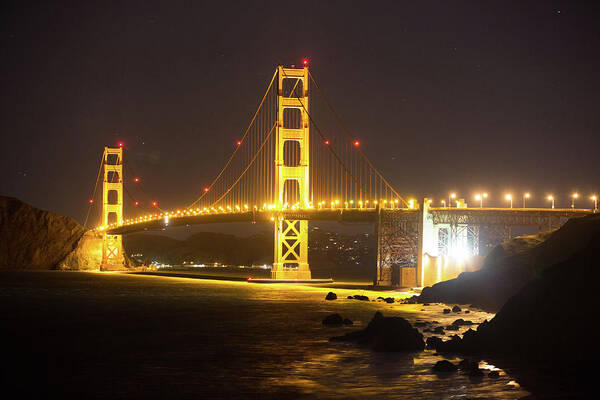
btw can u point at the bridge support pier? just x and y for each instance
(112, 208)
(291, 236)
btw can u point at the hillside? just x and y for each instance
(33, 238)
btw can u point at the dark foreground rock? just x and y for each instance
(33, 238)
(386, 334)
(444, 366)
(331, 296)
(333, 319)
(538, 325)
(512, 264)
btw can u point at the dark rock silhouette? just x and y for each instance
(331, 296)
(456, 309)
(444, 366)
(348, 321)
(387, 334)
(333, 319)
(519, 331)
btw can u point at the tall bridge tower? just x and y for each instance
(112, 206)
(292, 173)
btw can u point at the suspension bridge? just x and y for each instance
(295, 162)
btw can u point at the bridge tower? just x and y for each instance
(291, 174)
(112, 207)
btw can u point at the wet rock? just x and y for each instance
(432, 342)
(333, 319)
(456, 309)
(380, 298)
(450, 346)
(389, 300)
(425, 304)
(387, 334)
(446, 311)
(462, 322)
(411, 300)
(494, 374)
(420, 323)
(427, 330)
(452, 328)
(360, 297)
(350, 297)
(434, 322)
(348, 321)
(467, 311)
(439, 329)
(331, 296)
(444, 366)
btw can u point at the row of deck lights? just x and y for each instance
(390, 204)
(526, 196)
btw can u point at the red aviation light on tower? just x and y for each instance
(155, 203)
(136, 180)
(356, 143)
(305, 62)
(137, 203)
(239, 142)
(206, 189)
(326, 142)
(120, 144)
(91, 201)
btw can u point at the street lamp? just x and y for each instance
(551, 198)
(573, 197)
(444, 203)
(508, 197)
(450, 198)
(595, 198)
(525, 197)
(479, 197)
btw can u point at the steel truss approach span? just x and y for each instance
(295, 162)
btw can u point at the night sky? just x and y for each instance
(444, 96)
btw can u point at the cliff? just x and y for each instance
(32, 238)
(514, 263)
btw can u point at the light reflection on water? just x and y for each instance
(239, 340)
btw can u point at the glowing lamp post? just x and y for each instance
(525, 197)
(551, 198)
(451, 197)
(508, 197)
(595, 199)
(574, 196)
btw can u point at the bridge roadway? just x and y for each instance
(440, 215)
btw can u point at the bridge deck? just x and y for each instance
(510, 216)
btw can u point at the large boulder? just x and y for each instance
(33, 238)
(512, 264)
(387, 334)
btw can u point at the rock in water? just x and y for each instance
(333, 319)
(33, 238)
(456, 309)
(446, 311)
(444, 366)
(387, 334)
(433, 342)
(348, 321)
(494, 375)
(331, 296)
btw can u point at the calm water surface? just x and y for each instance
(99, 335)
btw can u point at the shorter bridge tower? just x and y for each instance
(112, 207)
(292, 176)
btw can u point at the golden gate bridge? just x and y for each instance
(296, 161)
